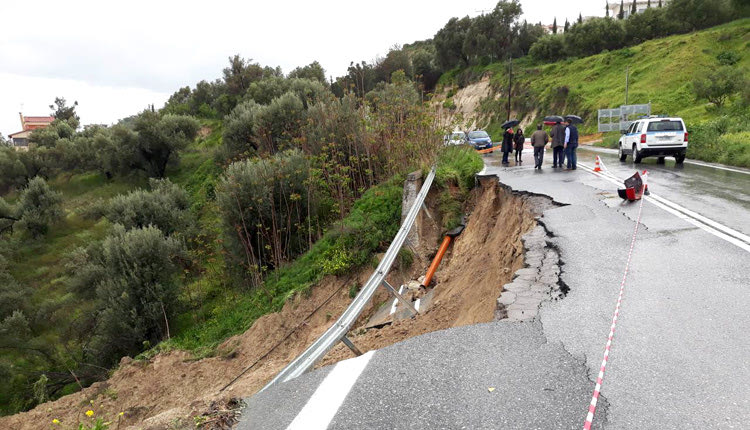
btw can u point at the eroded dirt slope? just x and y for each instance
(172, 389)
(472, 274)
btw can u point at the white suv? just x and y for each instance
(655, 137)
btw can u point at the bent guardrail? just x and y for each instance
(338, 330)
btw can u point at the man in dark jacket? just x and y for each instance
(507, 146)
(538, 140)
(571, 143)
(558, 141)
(519, 140)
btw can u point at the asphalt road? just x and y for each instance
(679, 358)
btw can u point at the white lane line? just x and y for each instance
(395, 300)
(702, 219)
(732, 236)
(697, 163)
(325, 402)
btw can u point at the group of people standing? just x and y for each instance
(564, 144)
(511, 141)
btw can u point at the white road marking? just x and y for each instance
(697, 163)
(325, 402)
(719, 230)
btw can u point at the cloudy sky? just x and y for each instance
(115, 58)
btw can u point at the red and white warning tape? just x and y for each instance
(603, 368)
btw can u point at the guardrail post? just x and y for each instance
(399, 297)
(351, 346)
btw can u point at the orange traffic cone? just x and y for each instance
(597, 166)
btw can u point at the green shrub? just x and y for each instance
(354, 289)
(735, 149)
(458, 165)
(265, 204)
(166, 207)
(39, 207)
(728, 58)
(132, 277)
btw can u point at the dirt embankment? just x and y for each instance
(472, 274)
(172, 389)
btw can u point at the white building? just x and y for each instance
(640, 6)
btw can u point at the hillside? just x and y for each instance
(661, 72)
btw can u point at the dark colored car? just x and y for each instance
(479, 139)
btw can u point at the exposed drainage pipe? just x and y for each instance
(449, 236)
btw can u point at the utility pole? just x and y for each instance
(627, 76)
(510, 82)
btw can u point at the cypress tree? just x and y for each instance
(621, 13)
(659, 4)
(554, 26)
(634, 9)
(565, 29)
(648, 4)
(580, 18)
(606, 8)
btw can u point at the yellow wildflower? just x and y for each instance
(89, 413)
(122, 413)
(55, 421)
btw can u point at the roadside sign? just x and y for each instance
(619, 119)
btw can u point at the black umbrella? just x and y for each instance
(510, 123)
(553, 118)
(573, 119)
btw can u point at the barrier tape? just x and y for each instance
(603, 368)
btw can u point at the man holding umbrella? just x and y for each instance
(571, 140)
(507, 145)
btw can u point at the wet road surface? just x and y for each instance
(679, 358)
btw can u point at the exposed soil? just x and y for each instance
(467, 102)
(471, 276)
(175, 391)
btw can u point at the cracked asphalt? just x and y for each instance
(679, 358)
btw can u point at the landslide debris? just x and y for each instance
(173, 390)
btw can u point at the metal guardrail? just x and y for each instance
(338, 330)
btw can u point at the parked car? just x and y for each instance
(455, 138)
(479, 139)
(654, 137)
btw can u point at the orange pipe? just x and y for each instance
(436, 261)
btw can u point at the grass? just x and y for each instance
(661, 72)
(368, 229)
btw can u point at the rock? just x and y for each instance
(414, 285)
(526, 302)
(506, 298)
(124, 361)
(527, 271)
(533, 262)
(548, 279)
(515, 287)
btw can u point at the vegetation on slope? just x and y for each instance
(662, 72)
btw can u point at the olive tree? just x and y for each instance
(132, 276)
(719, 84)
(166, 207)
(38, 207)
(159, 138)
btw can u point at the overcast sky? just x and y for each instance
(115, 58)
